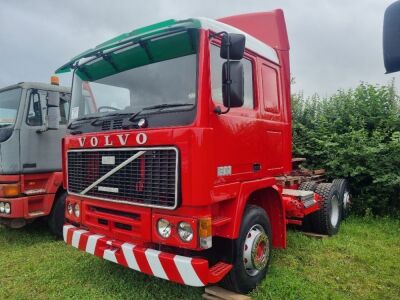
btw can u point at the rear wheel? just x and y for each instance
(344, 195)
(253, 252)
(307, 186)
(327, 219)
(56, 218)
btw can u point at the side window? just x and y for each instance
(34, 117)
(216, 78)
(270, 89)
(35, 111)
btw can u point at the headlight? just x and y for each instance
(185, 231)
(2, 207)
(164, 228)
(7, 208)
(70, 208)
(77, 210)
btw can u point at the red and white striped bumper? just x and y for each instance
(180, 269)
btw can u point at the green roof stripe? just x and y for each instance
(143, 32)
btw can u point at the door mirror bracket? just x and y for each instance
(232, 48)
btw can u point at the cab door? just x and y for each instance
(273, 117)
(237, 152)
(41, 151)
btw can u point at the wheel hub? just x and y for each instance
(346, 199)
(334, 211)
(256, 250)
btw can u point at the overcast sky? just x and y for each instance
(335, 44)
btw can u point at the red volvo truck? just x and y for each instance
(33, 119)
(179, 158)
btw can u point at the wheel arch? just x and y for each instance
(268, 197)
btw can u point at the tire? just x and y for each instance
(250, 267)
(56, 218)
(344, 196)
(327, 219)
(307, 186)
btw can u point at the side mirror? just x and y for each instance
(233, 93)
(235, 43)
(53, 110)
(391, 38)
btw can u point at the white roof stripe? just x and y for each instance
(251, 42)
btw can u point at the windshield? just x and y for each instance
(167, 82)
(9, 103)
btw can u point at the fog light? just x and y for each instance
(164, 228)
(77, 210)
(185, 231)
(2, 207)
(7, 208)
(70, 208)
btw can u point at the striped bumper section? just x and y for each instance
(180, 269)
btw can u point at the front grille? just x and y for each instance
(149, 180)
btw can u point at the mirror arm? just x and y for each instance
(228, 82)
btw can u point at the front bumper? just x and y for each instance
(176, 268)
(28, 207)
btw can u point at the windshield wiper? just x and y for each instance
(4, 125)
(166, 105)
(158, 106)
(94, 122)
(74, 122)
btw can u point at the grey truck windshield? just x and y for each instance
(9, 103)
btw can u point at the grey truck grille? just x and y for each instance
(140, 176)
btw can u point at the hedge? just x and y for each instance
(354, 134)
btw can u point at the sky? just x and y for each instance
(335, 44)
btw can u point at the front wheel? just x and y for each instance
(253, 252)
(56, 218)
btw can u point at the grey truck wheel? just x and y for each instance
(56, 218)
(253, 252)
(344, 195)
(328, 218)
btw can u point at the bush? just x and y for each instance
(354, 134)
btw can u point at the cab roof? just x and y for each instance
(169, 27)
(37, 85)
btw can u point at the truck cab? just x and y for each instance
(179, 133)
(30, 152)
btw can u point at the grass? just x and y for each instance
(362, 262)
